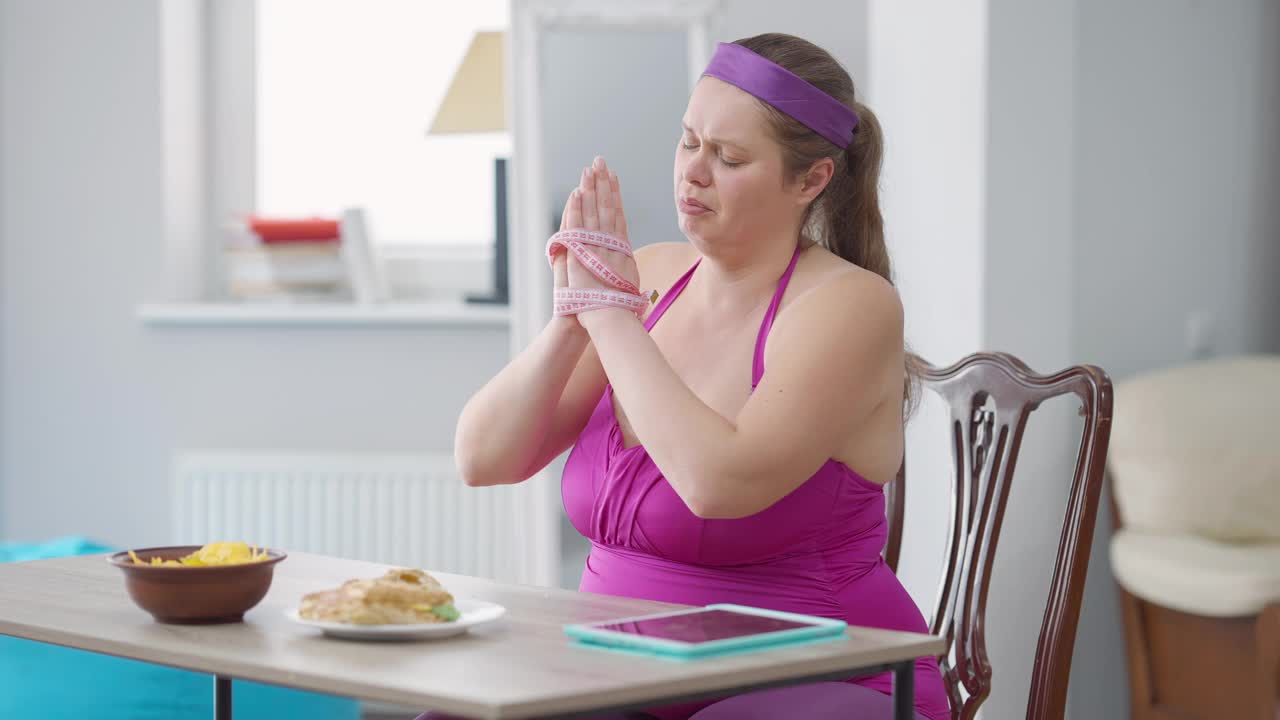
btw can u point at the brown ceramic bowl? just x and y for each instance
(195, 595)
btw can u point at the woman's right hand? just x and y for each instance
(560, 269)
(560, 264)
(571, 218)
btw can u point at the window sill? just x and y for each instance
(394, 314)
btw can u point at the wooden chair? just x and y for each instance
(990, 396)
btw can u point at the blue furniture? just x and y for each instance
(48, 682)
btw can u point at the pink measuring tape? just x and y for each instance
(570, 301)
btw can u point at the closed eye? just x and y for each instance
(728, 163)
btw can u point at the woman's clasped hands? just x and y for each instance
(595, 268)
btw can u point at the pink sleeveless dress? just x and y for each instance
(815, 551)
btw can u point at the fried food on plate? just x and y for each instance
(400, 597)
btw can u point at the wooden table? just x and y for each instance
(523, 666)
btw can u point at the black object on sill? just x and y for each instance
(501, 293)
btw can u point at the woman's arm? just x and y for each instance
(535, 408)
(532, 412)
(505, 424)
(504, 428)
(830, 358)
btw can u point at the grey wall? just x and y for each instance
(838, 27)
(1177, 181)
(620, 94)
(1133, 169)
(1027, 301)
(85, 200)
(93, 403)
(1121, 173)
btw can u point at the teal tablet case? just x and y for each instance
(819, 630)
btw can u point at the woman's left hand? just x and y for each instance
(599, 207)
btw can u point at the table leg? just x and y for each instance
(221, 698)
(904, 696)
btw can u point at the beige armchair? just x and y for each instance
(1195, 479)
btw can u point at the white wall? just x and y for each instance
(927, 75)
(1068, 181)
(977, 202)
(92, 403)
(1027, 307)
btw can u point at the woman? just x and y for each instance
(714, 452)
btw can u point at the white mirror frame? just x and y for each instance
(531, 282)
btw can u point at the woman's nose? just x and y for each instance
(696, 171)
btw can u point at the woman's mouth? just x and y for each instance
(689, 206)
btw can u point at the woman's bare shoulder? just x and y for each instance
(870, 303)
(661, 264)
(825, 272)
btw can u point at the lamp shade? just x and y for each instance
(476, 100)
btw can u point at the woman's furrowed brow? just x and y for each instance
(712, 140)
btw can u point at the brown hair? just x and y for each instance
(845, 217)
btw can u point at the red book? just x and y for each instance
(286, 230)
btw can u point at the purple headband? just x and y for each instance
(784, 90)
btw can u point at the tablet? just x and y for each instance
(709, 630)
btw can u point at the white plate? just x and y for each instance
(472, 613)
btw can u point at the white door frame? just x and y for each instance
(531, 282)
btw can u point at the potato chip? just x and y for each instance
(210, 555)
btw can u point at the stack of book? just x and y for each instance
(285, 259)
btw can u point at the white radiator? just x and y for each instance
(411, 510)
